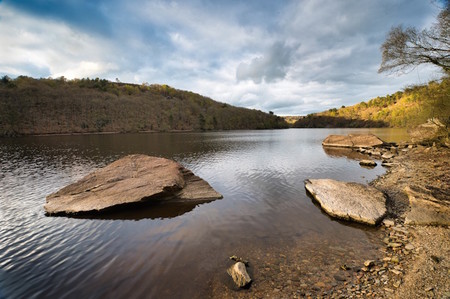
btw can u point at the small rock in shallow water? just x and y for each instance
(368, 163)
(239, 274)
(369, 263)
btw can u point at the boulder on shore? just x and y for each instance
(431, 129)
(348, 201)
(426, 210)
(353, 141)
(131, 180)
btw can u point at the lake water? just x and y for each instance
(176, 251)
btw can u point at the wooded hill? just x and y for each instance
(58, 106)
(407, 108)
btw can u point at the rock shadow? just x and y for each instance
(139, 211)
(337, 152)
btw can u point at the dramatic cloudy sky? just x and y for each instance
(291, 57)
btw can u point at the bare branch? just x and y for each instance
(406, 48)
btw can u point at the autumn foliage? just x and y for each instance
(59, 106)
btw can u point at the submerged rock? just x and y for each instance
(130, 180)
(353, 141)
(426, 210)
(239, 274)
(348, 201)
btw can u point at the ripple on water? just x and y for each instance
(265, 207)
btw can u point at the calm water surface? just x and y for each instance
(167, 251)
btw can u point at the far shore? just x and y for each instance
(173, 131)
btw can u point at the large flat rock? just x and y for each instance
(130, 180)
(348, 201)
(353, 141)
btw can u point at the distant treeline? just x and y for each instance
(407, 108)
(60, 106)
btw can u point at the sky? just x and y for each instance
(289, 57)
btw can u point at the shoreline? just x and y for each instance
(410, 261)
(136, 132)
(18, 135)
(425, 272)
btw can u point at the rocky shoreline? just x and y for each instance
(426, 267)
(412, 261)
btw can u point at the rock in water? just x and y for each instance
(130, 180)
(369, 163)
(349, 201)
(369, 263)
(353, 141)
(239, 274)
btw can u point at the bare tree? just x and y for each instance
(407, 48)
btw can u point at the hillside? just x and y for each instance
(291, 119)
(407, 108)
(58, 106)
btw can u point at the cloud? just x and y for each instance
(85, 14)
(42, 48)
(291, 57)
(271, 66)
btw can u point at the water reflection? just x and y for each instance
(148, 210)
(344, 152)
(265, 212)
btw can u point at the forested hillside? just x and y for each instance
(55, 106)
(407, 108)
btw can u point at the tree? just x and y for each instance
(407, 48)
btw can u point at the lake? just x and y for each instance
(178, 251)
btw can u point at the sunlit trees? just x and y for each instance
(409, 108)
